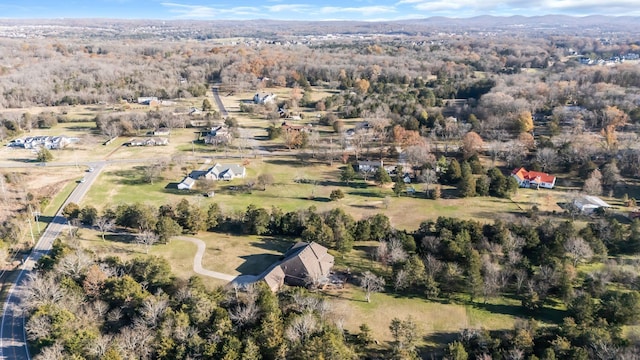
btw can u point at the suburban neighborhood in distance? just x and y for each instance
(438, 188)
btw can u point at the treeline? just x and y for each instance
(334, 228)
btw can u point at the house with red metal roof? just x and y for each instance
(533, 179)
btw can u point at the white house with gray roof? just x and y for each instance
(221, 172)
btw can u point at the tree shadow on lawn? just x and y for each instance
(493, 214)
(24, 160)
(451, 193)
(439, 340)
(273, 243)
(315, 198)
(129, 177)
(293, 163)
(546, 314)
(256, 264)
(118, 238)
(45, 218)
(368, 207)
(83, 129)
(352, 184)
(367, 194)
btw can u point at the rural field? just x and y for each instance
(399, 190)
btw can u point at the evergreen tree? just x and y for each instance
(44, 155)
(348, 174)
(467, 183)
(382, 176)
(399, 186)
(474, 276)
(453, 173)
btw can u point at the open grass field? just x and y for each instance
(296, 186)
(436, 320)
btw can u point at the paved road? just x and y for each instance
(216, 97)
(13, 343)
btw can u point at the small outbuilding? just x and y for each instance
(587, 204)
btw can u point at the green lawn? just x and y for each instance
(296, 186)
(431, 317)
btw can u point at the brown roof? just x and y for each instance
(306, 260)
(274, 278)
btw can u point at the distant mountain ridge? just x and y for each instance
(420, 26)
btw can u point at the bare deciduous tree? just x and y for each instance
(391, 252)
(244, 314)
(38, 327)
(53, 352)
(547, 157)
(593, 185)
(74, 264)
(41, 290)
(152, 310)
(147, 239)
(371, 283)
(578, 250)
(302, 327)
(151, 172)
(401, 280)
(104, 224)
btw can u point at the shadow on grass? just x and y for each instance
(352, 184)
(283, 162)
(24, 160)
(256, 264)
(546, 314)
(449, 193)
(83, 129)
(315, 198)
(493, 214)
(171, 186)
(436, 342)
(367, 194)
(369, 249)
(273, 244)
(130, 177)
(369, 207)
(119, 238)
(45, 218)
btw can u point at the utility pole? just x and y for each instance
(33, 239)
(36, 215)
(4, 192)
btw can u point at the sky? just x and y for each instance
(367, 10)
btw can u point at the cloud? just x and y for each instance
(590, 7)
(364, 10)
(190, 11)
(184, 11)
(282, 8)
(522, 7)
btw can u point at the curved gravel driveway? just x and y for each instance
(198, 269)
(197, 260)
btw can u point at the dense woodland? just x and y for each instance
(520, 101)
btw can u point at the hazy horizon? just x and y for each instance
(365, 10)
